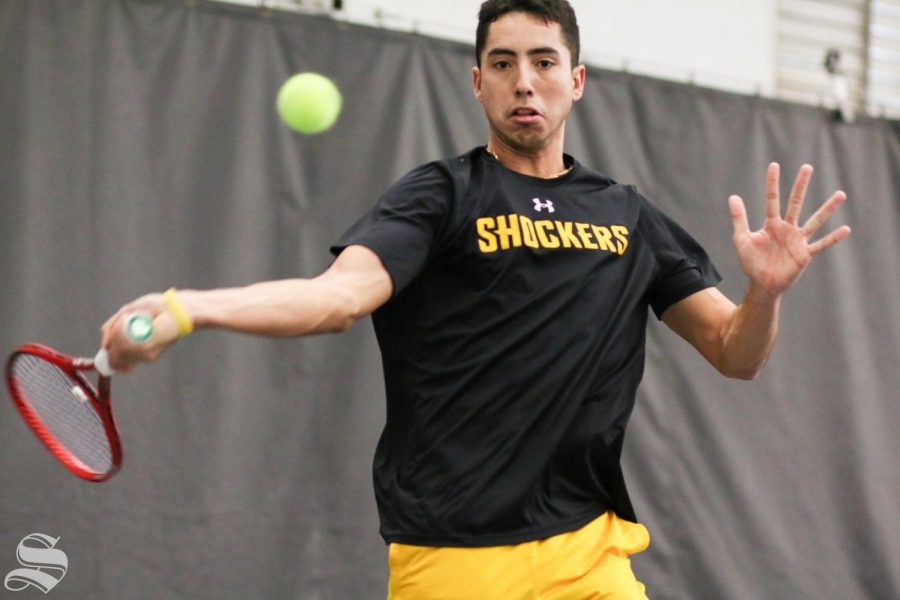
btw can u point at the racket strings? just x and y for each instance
(65, 410)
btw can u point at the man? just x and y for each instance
(509, 289)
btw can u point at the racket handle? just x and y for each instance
(101, 363)
(138, 327)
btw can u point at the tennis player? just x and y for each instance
(510, 288)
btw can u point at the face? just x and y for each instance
(526, 82)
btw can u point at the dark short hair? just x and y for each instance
(551, 11)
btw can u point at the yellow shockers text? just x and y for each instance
(514, 231)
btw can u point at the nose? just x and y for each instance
(524, 85)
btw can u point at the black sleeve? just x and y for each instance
(403, 227)
(683, 266)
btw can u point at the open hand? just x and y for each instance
(776, 255)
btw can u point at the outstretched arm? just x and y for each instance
(354, 286)
(737, 340)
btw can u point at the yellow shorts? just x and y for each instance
(589, 563)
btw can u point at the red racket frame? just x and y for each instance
(99, 398)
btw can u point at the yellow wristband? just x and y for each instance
(178, 312)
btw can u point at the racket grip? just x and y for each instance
(138, 327)
(101, 363)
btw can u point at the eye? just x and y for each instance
(545, 63)
(502, 65)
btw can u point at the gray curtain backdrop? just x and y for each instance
(140, 149)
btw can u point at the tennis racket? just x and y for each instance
(65, 411)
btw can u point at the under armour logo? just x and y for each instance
(539, 205)
(39, 561)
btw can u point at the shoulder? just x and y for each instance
(586, 175)
(438, 180)
(585, 179)
(434, 188)
(646, 210)
(446, 169)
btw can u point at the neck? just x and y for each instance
(546, 164)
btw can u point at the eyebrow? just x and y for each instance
(532, 52)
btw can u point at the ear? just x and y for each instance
(579, 75)
(476, 82)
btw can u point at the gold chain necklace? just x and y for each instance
(560, 174)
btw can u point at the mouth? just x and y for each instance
(524, 114)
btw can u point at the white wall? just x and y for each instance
(728, 44)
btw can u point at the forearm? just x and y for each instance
(749, 335)
(285, 308)
(354, 285)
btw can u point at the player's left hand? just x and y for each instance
(776, 255)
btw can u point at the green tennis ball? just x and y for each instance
(309, 103)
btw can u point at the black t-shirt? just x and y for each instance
(513, 345)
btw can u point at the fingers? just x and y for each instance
(773, 209)
(824, 213)
(124, 354)
(798, 193)
(819, 218)
(797, 198)
(738, 216)
(829, 240)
